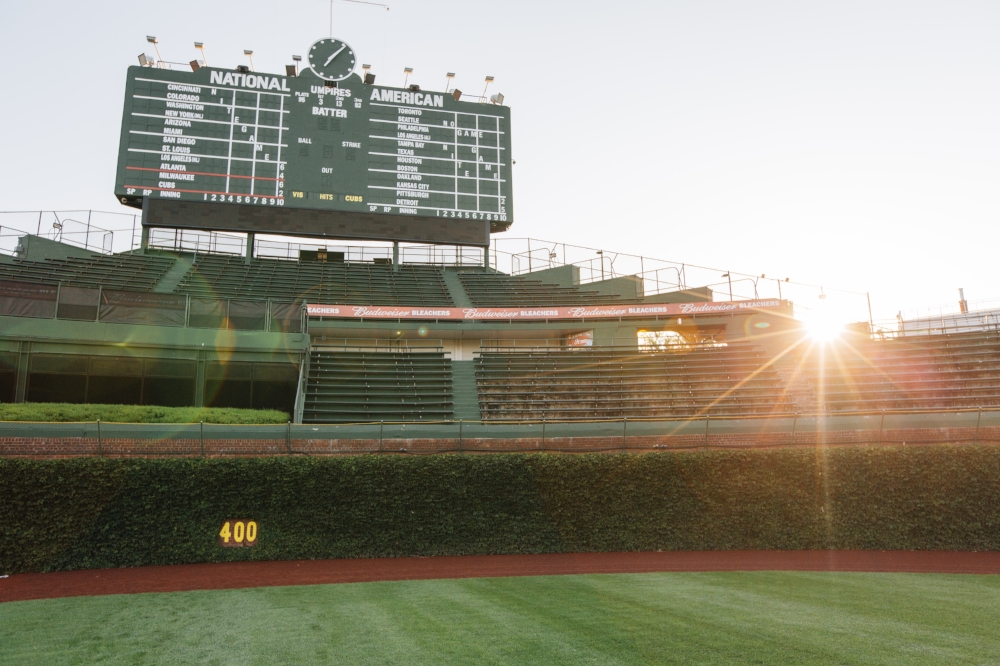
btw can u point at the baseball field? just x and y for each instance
(682, 618)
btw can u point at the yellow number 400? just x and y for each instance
(236, 533)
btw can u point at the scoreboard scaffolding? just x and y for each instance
(355, 160)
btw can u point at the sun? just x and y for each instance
(823, 328)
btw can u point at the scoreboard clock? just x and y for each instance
(298, 155)
(332, 59)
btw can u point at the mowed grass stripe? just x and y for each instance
(683, 618)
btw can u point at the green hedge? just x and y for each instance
(62, 412)
(88, 513)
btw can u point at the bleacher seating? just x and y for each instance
(913, 372)
(126, 271)
(488, 289)
(367, 386)
(613, 383)
(319, 282)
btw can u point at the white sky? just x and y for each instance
(851, 144)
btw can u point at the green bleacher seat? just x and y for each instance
(489, 289)
(125, 272)
(358, 283)
(369, 386)
(613, 383)
(948, 371)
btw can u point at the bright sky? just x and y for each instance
(850, 144)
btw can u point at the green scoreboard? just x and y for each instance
(306, 155)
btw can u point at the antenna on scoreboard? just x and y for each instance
(155, 42)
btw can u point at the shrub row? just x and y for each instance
(52, 412)
(87, 513)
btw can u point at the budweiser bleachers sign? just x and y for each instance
(560, 312)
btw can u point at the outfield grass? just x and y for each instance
(706, 618)
(61, 412)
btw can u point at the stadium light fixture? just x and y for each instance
(457, 94)
(497, 99)
(195, 65)
(144, 60)
(407, 71)
(489, 80)
(155, 42)
(447, 84)
(293, 70)
(249, 53)
(368, 78)
(201, 48)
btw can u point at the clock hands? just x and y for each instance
(335, 54)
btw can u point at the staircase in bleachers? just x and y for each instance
(318, 282)
(487, 289)
(126, 272)
(368, 386)
(914, 372)
(613, 383)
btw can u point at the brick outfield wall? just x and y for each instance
(70, 447)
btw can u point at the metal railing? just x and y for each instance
(323, 343)
(96, 438)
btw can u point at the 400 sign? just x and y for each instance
(238, 534)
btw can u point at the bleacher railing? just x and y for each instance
(101, 439)
(323, 343)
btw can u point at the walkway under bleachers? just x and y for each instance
(959, 370)
(371, 386)
(126, 272)
(609, 383)
(318, 282)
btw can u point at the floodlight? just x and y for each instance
(291, 70)
(143, 60)
(195, 65)
(450, 76)
(155, 42)
(497, 99)
(369, 79)
(407, 71)
(296, 59)
(249, 53)
(414, 87)
(242, 69)
(457, 94)
(201, 47)
(489, 80)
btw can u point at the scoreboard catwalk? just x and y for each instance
(303, 143)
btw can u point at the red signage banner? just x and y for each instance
(542, 313)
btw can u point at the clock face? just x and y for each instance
(331, 59)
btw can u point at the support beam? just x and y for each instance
(249, 253)
(395, 256)
(144, 239)
(22, 372)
